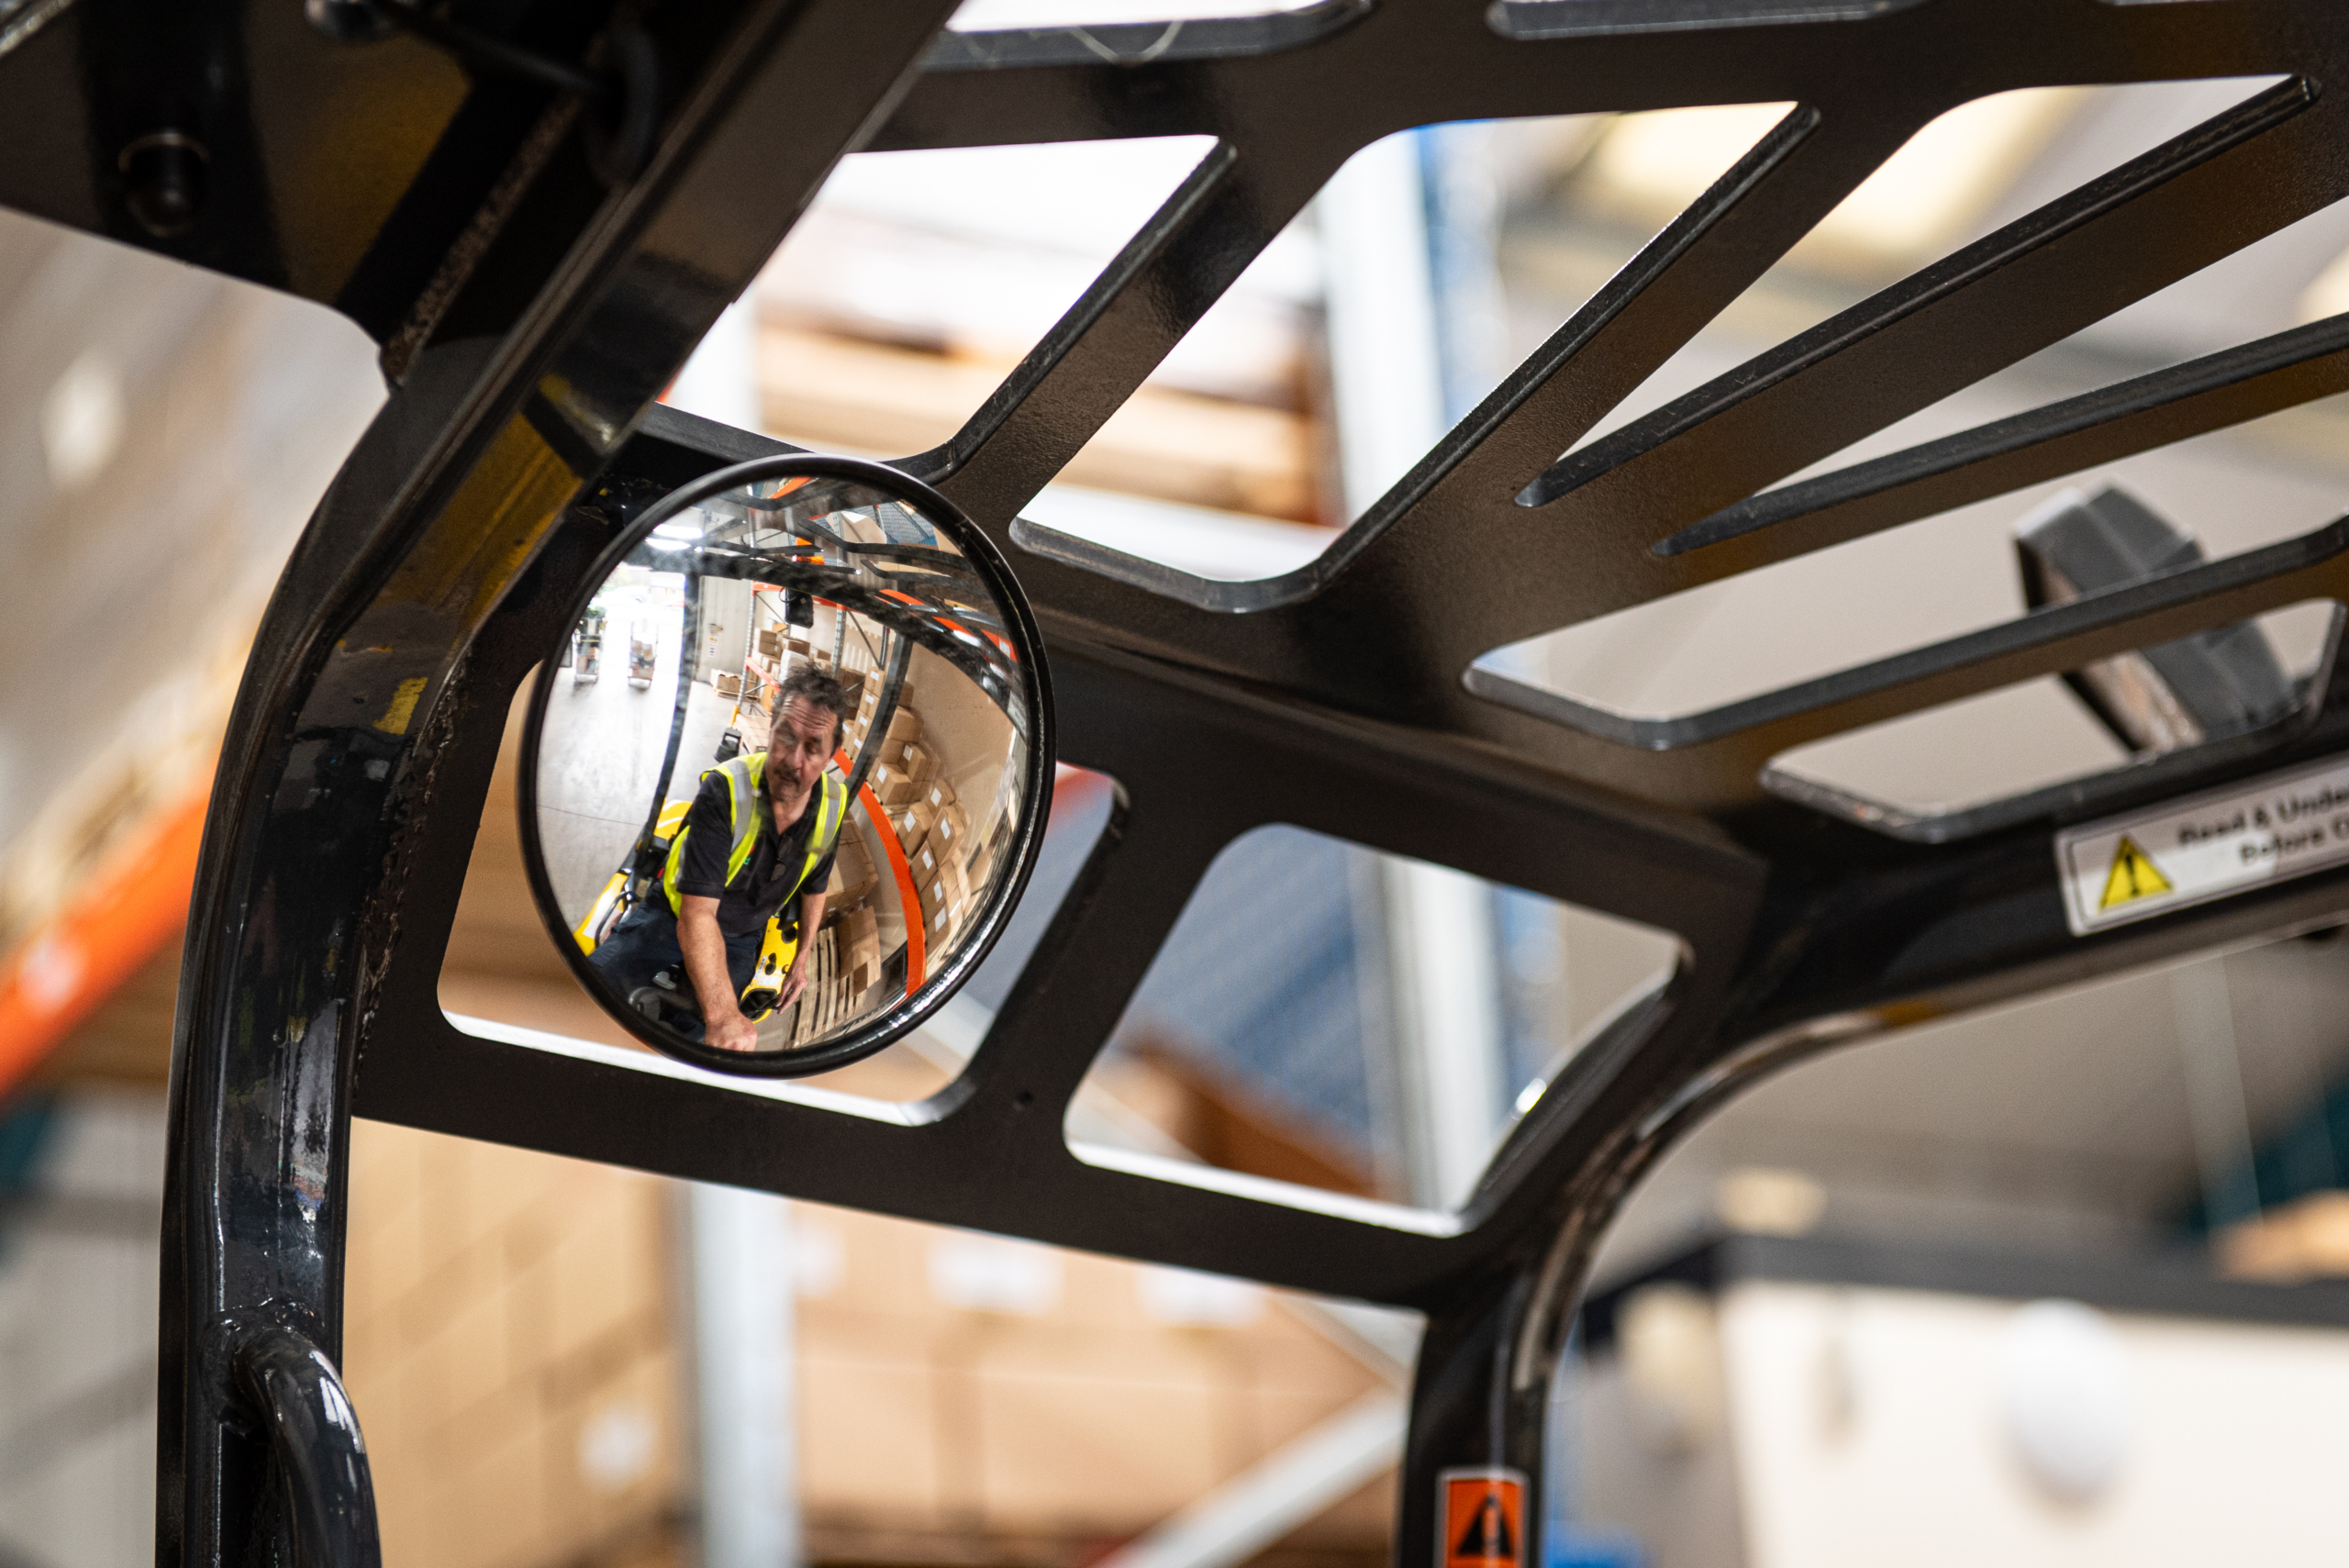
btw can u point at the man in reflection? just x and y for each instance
(762, 829)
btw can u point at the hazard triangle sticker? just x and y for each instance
(1483, 1518)
(2134, 877)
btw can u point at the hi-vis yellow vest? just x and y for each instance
(743, 775)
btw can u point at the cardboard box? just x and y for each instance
(940, 795)
(923, 861)
(863, 970)
(952, 830)
(771, 644)
(917, 762)
(944, 897)
(854, 862)
(727, 684)
(957, 886)
(914, 824)
(905, 727)
(852, 894)
(939, 924)
(892, 787)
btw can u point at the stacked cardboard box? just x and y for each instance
(769, 643)
(862, 932)
(905, 724)
(887, 786)
(854, 878)
(936, 831)
(843, 963)
(514, 1354)
(905, 768)
(945, 896)
(847, 895)
(511, 1348)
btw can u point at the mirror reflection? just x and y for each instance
(783, 766)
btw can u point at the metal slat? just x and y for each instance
(2100, 426)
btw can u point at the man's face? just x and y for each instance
(799, 747)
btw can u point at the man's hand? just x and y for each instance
(733, 1032)
(722, 1022)
(811, 921)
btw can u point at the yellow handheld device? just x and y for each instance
(777, 949)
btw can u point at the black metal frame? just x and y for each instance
(940, 981)
(532, 317)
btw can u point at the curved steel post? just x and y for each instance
(359, 685)
(1469, 1413)
(287, 1384)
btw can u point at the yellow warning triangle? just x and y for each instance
(2134, 876)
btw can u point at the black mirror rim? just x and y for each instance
(939, 982)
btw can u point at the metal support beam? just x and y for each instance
(744, 1382)
(1443, 949)
(2214, 1099)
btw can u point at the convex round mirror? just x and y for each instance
(788, 775)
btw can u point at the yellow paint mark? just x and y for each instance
(403, 708)
(478, 546)
(2134, 877)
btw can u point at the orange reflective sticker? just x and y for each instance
(1481, 1518)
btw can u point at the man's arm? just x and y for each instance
(723, 1024)
(812, 915)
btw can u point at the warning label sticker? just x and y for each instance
(2191, 851)
(1481, 1518)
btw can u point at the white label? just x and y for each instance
(2191, 851)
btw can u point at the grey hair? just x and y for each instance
(815, 689)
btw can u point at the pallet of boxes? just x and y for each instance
(931, 825)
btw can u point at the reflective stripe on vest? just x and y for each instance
(743, 775)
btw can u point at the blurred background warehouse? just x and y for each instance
(2055, 1278)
